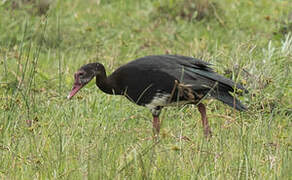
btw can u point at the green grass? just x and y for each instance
(97, 136)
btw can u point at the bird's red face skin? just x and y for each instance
(77, 84)
(82, 77)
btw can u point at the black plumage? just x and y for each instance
(159, 80)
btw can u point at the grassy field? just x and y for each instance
(97, 136)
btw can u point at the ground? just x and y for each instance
(98, 136)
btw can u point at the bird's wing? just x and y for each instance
(197, 72)
(188, 70)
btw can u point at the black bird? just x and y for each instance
(161, 80)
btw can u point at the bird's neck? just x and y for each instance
(107, 85)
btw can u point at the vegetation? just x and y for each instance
(97, 136)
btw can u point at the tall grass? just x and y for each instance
(97, 136)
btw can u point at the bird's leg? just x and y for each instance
(202, 110)
(156, 125)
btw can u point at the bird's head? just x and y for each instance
(84, 75)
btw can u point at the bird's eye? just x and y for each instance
(81, 74)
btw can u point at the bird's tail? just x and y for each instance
(227, 98)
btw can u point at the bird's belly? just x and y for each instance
(180, 103)
(158, 100)
(165, 100)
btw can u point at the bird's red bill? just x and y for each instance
(75, 89)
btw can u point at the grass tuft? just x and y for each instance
(97, 136)
(190, 10)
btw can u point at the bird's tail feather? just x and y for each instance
(228, 99)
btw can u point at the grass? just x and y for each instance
(97, 136)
